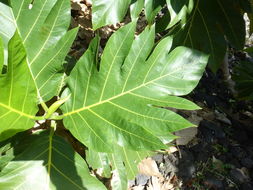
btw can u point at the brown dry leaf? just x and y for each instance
(167, 186)
(154, 184)
(149, 167)
(171, 149)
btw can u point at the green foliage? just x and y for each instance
(113, 104)
(218, 22)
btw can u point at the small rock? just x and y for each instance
(238, 176)
(247, 162)
(141, 179)
(214, 183)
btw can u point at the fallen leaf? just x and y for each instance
(149, 167)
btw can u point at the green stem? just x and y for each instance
(38, 118)
(57, 117)
(44, 106)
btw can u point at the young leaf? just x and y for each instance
(112, 106)
(18, 100)
(106, 12)
(48, 162)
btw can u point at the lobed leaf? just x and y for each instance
(116, 101)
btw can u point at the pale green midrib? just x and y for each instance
(112, 64)
(117, 96)
(17, 111)
(19, 11)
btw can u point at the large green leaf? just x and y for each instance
(117, 104)
(48, 162)
(106, 12)
(18, 100)
(211, 22)
(43, 28)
